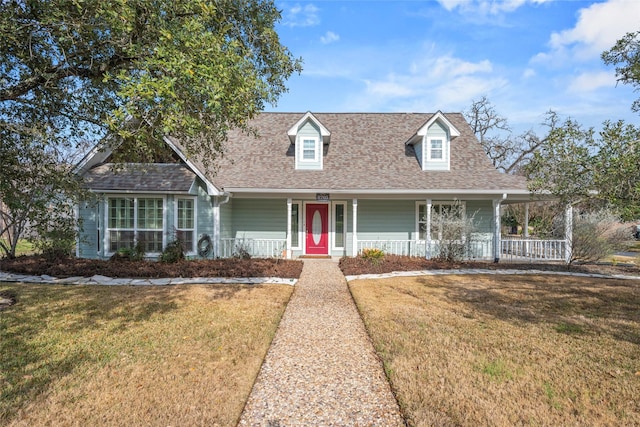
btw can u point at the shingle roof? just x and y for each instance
(367, 152)
(145, 177)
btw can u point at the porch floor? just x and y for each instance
(321, 368)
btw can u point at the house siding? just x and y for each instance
(259, 219)
(419, 152)
(437, 130)
(88, 237)
(386, 219)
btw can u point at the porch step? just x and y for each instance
(314, 257)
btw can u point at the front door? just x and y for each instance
(317, 230)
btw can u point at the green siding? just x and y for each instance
(418, 149)
(259, 218)
(226, 218)
(204, 213)
(88, 238)
(437, 130)
(482, 213)
(386, 220)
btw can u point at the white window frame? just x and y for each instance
(299, 230)
(136, 229)
(316, 149)
(462, 205)
(333, 225)
(443, 149)
(194, 230)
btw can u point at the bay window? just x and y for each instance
(135, 219)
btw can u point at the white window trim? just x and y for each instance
(316, 149)
(445, 149)
(299, 230)
(135, 197)
(419, 203)
(192, 250)
(333, 226)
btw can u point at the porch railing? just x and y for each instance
(474, 249)
(256, 248)
(532, 250)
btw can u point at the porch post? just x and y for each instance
(216, 226)
(525, 231)
(427, 232)
(288, 248)
(496, 232)
(568, 233)
(355, 227)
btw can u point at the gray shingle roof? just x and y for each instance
(367, 152)
(145, 177)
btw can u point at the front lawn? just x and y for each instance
(113, 356)
(508, 350)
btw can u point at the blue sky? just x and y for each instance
(526, 56)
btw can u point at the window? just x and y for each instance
(440, 213)
(134, 220)
(436, 146)
(309, 150)
(339, 225)
(185, 223)
(295, 225)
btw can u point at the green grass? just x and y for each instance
(24, 247)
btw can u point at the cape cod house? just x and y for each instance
(325, 184)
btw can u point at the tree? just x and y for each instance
(37, 192)
(508, 153)
(625, 55)
(140, 69)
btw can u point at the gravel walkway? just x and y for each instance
(321, 369)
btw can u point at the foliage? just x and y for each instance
(453, 230)
(596, 235)
(374, 255)
(173, 252)
(37, 193)
(242, 250)
(136, 253)
(625, 55)
(55, 237)
(141, 69)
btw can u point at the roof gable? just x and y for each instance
(293, 130)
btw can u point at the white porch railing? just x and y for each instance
(532, 250)
(256, 248)
(475, 249)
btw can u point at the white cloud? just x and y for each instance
(588, 82)
(329, 37)
(486, 7)
(528, 73)
(597, 29)
(299, 16)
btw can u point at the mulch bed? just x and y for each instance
(260, 267)
(72, 267)
(359, 265)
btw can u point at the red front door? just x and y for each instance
(317, 230)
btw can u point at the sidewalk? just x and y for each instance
(321, 368)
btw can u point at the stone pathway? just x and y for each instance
(321, 368)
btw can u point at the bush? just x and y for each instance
(55, 239)
(135, 253)
(454, 231)
(373, 255)
(173, 252)
(597, 235)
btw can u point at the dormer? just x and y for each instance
(432, 143)
(309, 137)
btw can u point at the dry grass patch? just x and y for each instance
(77, 355)
(508, 350)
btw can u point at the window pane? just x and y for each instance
(294, 225)
(339, 216)
(185, 214)
(151, 240)
(186, 237)
(436, 149)
(422, 221)
(150, 213)
(120, 240)
(309, 149)
(121, 213)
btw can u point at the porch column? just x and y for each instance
(288, 248)
(525, 230)
(355, 227)
(216, 226)
(427, 232)
(568, 233)
(496, 232)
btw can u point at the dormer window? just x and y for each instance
(310, 150)
(432, 143)
(309, 137)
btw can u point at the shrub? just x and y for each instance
(596, 235)
(453, 229)
(136, 253)
(173, 252)
(373, 255)
(55, 239)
